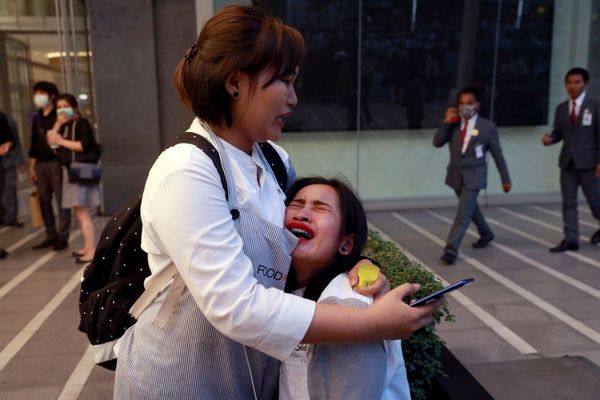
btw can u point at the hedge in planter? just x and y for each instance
(422, 351)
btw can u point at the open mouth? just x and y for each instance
(301, 231)
(281, 119)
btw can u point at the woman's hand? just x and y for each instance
(53, 138)
(395, 319)
(5, 148)
(32, 175)
(377, 289)
(61, 119)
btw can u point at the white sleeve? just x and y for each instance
(190, 218)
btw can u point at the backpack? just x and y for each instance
(114, 279)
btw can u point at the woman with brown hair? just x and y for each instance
(73, 136)
(221, 334)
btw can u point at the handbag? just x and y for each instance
(83, 173)
(35, 210)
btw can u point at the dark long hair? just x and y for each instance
(354, 222)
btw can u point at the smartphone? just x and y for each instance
(440, 293)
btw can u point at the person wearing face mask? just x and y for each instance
(44, 168)
(74, 136)
(469, 138)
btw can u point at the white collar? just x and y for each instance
(470, 122)
(579, 100)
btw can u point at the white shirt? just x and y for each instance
(186, 220)
(470, 126)
(293, 373)
(578, 102)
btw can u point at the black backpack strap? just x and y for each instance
(276, 163)
(203, 144)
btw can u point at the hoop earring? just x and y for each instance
(235, 95)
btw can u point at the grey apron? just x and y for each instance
(189, 358)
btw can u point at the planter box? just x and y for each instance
(458, 384)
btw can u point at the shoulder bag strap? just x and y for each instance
(203, 144)
(72, 132)
(276, 164)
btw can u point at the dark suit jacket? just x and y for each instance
(5, 131)
(466, 169)
(580, 143)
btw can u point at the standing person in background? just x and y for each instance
(44, 168)
(469, 137)
(13, 162)
(576, 123)
(75, 136)
(6, 143)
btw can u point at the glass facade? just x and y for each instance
(379, 74)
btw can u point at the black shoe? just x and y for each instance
(595, 239)
(46, 243)
(3, 254)
(15, 224)
(564, 246)
(448, 258)
(76, 254)
(80, 260)
(60, 245)
(481, 243)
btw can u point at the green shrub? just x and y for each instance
(422, 350)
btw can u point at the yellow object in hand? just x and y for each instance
(367, 275)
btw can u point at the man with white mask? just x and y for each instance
(469, 137)
(45, 170)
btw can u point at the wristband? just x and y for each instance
(370, 259)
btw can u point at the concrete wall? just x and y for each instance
(136, 46)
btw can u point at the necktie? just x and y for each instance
(573, 115)
(463, 134)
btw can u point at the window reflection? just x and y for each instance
(414, 56)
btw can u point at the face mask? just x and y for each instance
(66, 110)
(466, 111)
(40, 100)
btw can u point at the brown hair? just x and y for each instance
(69, 98)
(239, 38)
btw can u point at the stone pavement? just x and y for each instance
(529, 328)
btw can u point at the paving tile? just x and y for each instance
(491, 294)
(563, 378)
(38, 393)
(476, 345)
(552, 336)
(36, 372)
(99, 385)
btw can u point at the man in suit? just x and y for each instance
(469, 137)
(576, 124)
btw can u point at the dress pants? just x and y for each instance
(2, 180)
(10, 202)
(49, 182)
(570, 180)
(468, 210)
